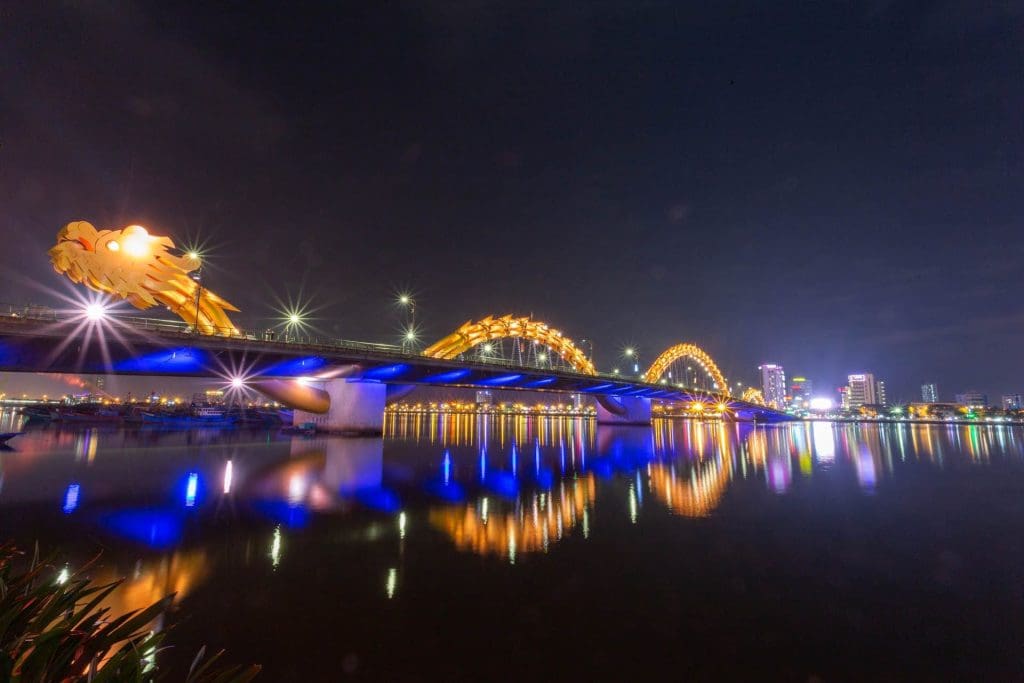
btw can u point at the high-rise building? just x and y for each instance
(773, 384)
(844, 397)
(929, 393)
(860, 390)
(880, 393)
(973, 399)
(800, 389)
(1013, 402)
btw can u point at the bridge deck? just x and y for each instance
(52, 346)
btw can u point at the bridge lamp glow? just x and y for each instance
(542, 357)
(697, 407)
(629, 352)
(722, 407)
(237, 382)
(95, 312)
(488, 349)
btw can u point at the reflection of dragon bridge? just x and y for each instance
(529, 528)
(132, 264)
(693, 496)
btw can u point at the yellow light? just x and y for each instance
(113, 246)
(722, 407)
(136, 241)
(294, 318)
(192, 255)
(698, 407)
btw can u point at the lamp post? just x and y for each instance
(634, 357)
(409, 329)
(197, 276)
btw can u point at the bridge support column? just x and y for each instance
(357, 409)
(623, 410)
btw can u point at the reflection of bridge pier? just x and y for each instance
(349, 465)
(623, 410)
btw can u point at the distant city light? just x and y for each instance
(821, 403)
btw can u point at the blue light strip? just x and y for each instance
(502, 379)
(452, 376)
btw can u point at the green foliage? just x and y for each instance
(54, 630)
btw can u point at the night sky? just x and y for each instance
(835, 186)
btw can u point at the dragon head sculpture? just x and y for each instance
(132, 264)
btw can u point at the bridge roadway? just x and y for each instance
(137, 347)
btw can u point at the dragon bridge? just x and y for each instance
(472, 334)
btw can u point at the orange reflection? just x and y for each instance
(695, 496)
(527, 529)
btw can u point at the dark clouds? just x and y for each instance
(835, 186)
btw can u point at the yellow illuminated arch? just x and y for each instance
(490, 328)
(678, 351)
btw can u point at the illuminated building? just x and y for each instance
(1013, 402)
(844, 398)
(929, 393)
(801, 388)
(860, 389)
(972, 399)
(484, 397)
(880, 393)
(800, 391)
(773, 384)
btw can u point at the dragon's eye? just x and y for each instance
(113, 246)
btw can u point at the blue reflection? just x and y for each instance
(503, 484)
(154, 528)
(182, 359)
(452, 493)
(283, 512)
(446, 466)
(70, 499)
(191, 489)
(379, 498)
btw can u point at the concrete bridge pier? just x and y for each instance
(356, 408)
(623, 410)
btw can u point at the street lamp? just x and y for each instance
(633, 355)
(197, 276)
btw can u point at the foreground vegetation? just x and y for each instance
(54, 628)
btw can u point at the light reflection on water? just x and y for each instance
(193, 512)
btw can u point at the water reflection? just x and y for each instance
(197, 512)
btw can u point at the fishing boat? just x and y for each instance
(200, 416)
